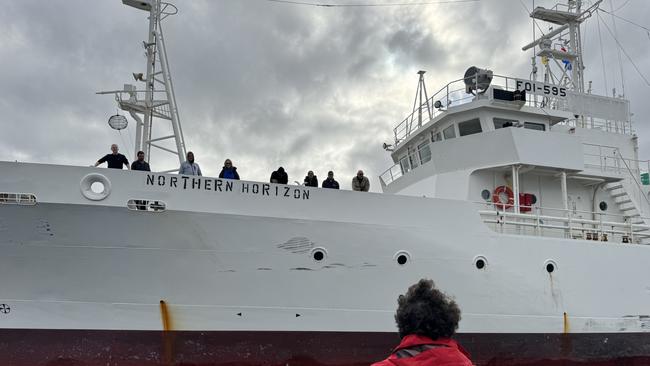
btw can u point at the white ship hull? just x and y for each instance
(235, 258)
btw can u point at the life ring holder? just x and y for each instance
(86, 186)
(496, 198)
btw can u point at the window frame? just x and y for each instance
(451, 128)
(466, 123)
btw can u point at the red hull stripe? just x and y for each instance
(33, 347)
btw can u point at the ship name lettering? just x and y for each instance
(225, 185)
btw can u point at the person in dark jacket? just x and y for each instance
(115, 160)
(311, 180)
(426, 319)
(140, 164)
(330, 182)
(279, 176)
(228, 171)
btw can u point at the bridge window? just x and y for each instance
(504, 122)
(425, 152)
(404, 163)
(469, 127)
(436, 137)
(449, 132)
(535, 126)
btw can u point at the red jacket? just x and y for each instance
(445, 352)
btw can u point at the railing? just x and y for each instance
(609, 159)
(413, 160)
(23, 199)
(556, 222)
(454, 94)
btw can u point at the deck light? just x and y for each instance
(118, 122)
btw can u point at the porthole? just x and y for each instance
(602, 205)
(485, 194)
(480, 262)
(318, 254)
(550, 266)
(402, 258)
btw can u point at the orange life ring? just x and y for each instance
(498, 198)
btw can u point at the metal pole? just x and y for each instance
(153, 18)
(515, 186)
(565, 198)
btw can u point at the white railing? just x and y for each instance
(556, 222)
(24, 199)
(412, 161)
(454, 94)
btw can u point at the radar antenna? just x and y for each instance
(562, 57)
(157, 101)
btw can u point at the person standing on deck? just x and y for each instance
(426, 319)
(279, 176)
(228, 171)
(311, 180)
(140, 164)
(360, 183)
(189, 167)
(115, 160)
(330, 182)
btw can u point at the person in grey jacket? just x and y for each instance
(360, 183)
(189, 167)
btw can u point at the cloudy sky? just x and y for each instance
(269, 84)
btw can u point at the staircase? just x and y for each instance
(629, 208)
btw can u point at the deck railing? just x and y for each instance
(454, 94)
(557, 222)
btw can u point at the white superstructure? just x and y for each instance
(523, 199)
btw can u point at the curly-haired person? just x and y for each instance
(426, 319)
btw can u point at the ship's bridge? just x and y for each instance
(478, 107)
(537, 159)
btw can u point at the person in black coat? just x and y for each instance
(279, 176)
(311, 180)
(140, 164)
(114, 160)
(330, 182)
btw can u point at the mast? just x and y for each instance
(562, 57)
(157, 102)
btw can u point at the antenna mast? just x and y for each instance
(157, 100)
(562, 57)
(421, 101)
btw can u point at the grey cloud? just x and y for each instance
(261, 83)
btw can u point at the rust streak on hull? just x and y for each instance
(167, 335)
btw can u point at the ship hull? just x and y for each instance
(36, 347)
(228, 276)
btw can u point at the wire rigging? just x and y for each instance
(349, 5)
(602, 56)
(624, 51)
(627, 21)
(620, 59)
(621, 7)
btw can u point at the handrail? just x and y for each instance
(568, 222)
(454, 94)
